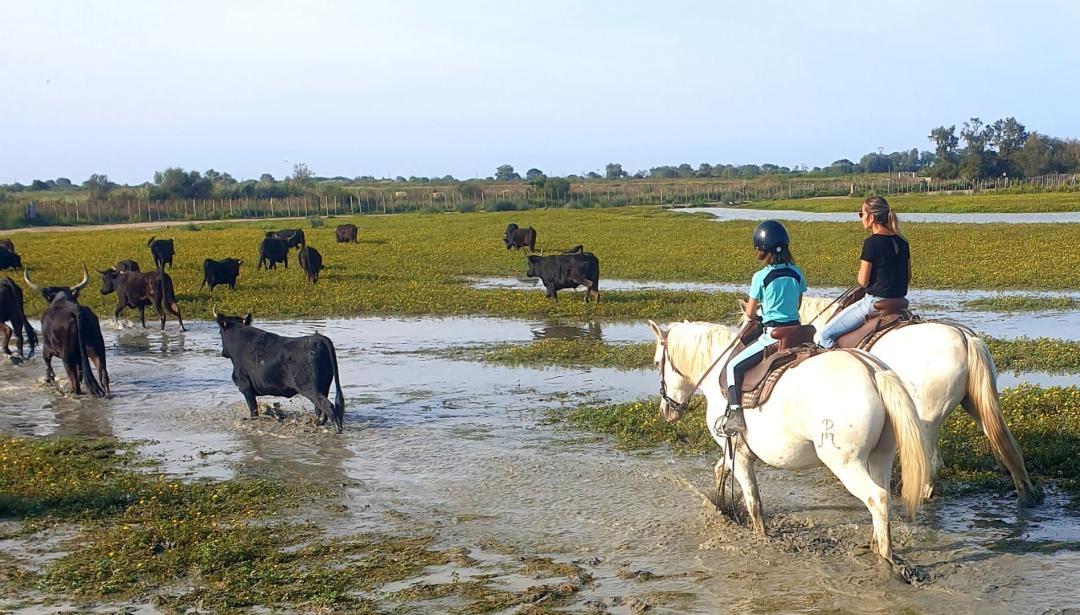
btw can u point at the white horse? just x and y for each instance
(843, 409)
(945, 366)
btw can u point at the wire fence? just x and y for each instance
(461, 197)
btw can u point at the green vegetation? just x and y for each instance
(1016, 355)
(1045, 421)
(414, 264)
(218, 545)
(938, 203)
(1018, 303)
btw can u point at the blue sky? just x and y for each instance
(429, 88)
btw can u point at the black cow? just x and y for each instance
(72, 332)
(567, 271)
(135, 289)
(273, 250)
(293, 236)
(220, 272)
(127, 265)
(520, 237)
(162, 250)
(346, 233)
(9, 259)
(265, 363)
(7, 245)
(11, 310)
(311, 263)
(578, 249)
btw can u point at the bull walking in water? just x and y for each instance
(265, 363)
(12, 310)
(72, 332)
(135, 289)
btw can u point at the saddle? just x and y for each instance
(888, 314)
(796, 345)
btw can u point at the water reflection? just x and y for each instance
(590, 330)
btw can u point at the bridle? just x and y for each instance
(677, 406)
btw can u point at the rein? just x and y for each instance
(842, 296)
(680, 407)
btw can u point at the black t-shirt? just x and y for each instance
(890, 268)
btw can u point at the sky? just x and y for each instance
(126, 88)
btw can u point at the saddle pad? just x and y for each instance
(760, 393)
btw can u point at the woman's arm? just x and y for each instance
(864, 272)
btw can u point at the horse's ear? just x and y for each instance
(742, 305)
(657, 331)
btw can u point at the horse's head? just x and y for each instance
(675, 388)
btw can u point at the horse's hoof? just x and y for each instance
(909, 574)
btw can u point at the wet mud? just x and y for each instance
(465, 452)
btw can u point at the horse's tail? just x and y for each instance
(915, 451)
(983, 403)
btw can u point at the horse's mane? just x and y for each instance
(812, 307)
(693, 346)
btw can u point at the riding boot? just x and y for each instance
(734, 422)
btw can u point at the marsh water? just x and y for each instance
(466, 451)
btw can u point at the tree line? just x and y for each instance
(976, 151)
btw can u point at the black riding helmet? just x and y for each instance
(770, 236)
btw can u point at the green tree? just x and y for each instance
(531, 174)
(302, 176)
(614, 170)
(505, 173)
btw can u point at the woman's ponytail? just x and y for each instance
(894, 223)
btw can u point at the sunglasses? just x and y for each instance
(859, 213)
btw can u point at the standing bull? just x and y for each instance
(520, 237)
(294, 237)
(311, 263)
(127, 265)
(567, 271)
(162, 250)
(72, 332)
(272, 250)
(265, 363)
(346, 233)
(220, 272)
(12, 310)
(135, 289)
(7, 245)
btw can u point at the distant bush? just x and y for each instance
(191, 226)
(316, 222)
(503, 205)
(466, 206)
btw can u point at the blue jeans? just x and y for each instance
(849, 319)
(745, 360)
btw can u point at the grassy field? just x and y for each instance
(1045, 422)
(940, 203)
(1015, 355)
(413, 264)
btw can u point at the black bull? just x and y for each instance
(72, 332)
(220, 272)
(9, 259)
(135, 289)
(272, 250)
(520, 237)
(346, 233)
(294, 237)
(567, 271)
(12, 310)
(163, 251)
(265, 363)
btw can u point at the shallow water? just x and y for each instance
(932, 303)
(464, 451)
(724, 214)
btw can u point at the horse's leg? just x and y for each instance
(744, 473)
(852, 472)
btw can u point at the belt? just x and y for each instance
(781, 323)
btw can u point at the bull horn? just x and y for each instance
(26, 276)
(85, 280)
(213, 310)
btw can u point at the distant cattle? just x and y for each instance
(520, 237)
(347, 233)
(7, 245)
(162, 250)
(135, 289)
(220, 272)
(9, 259)
(293, 237)
(311, 263)
(272, 250)
(399, 195)
(12, 310)
(72, 332)
(127, 265)
(567, 271)
(438, 196)
(265, 363)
